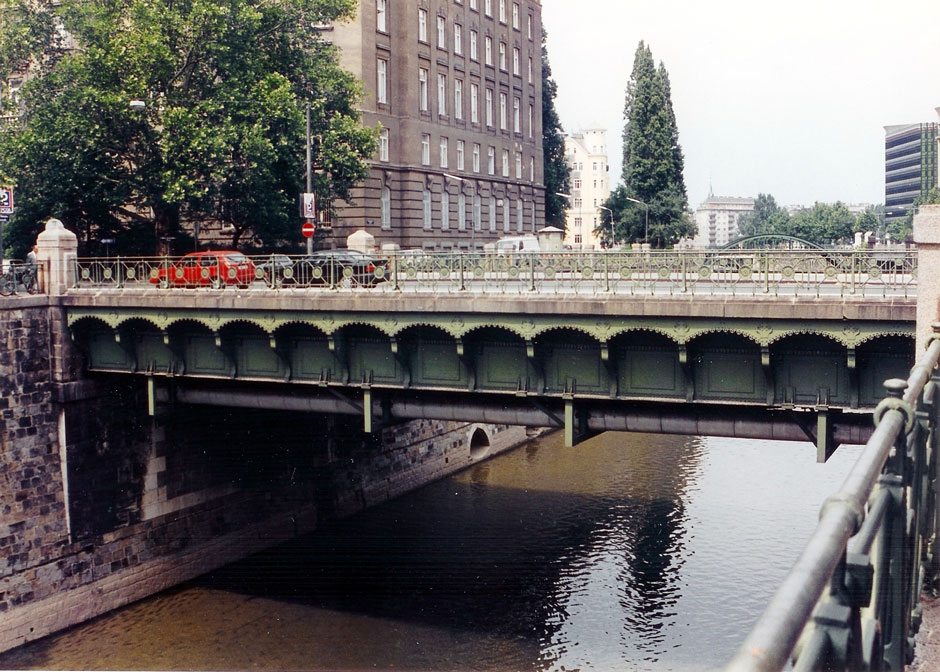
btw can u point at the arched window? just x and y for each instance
(492, 213)
(477, 213)
(445, 211)
(426, 203)
(386, 207)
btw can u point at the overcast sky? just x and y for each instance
(787, 97)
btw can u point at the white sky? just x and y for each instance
(786, 97)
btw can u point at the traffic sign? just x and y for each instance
(308, 229)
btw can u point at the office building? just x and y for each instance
(586, 155)
(910, 166)
(455, 86)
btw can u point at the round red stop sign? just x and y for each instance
(307, 229)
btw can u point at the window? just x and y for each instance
(518, 166)
(515, 15)
(422, 25)
(489, 107)
(423, 89)
(458, 38)
(380, 16)
(576, 184)
(445, 211)
(488, 50)
(476, 158)
(488, 7)
(533, 216)
(491, 160)
(381, 73)
(516, 116)
(426, 209)
(462, 211)
(460, 146)
(519, 216)
(505, 163)
(477, 214)
(425, 149)
(473, 4)
(515, 60)
(473, 45)
(441, 94)
(441, 33)
(474, 103)
(530, 120)
(502, 10)
(507, 225)
(528, 26)
(386, 207)
(531, 169)
(383, 145)
(458, 99)
(502, 55)
(492, 208)
(530, 70)
(443, 152)
(502, 111)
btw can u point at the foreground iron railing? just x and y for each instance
(774, 272)
(851, 600)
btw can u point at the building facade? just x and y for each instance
(586, 154)
(455, 87)
(716, 220)
(910, 166)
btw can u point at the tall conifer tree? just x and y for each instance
(556, 171)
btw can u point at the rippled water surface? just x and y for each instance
(628, 552)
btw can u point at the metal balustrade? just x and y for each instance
(851, 601)
(732, 272)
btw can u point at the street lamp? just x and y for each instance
(646, 234)
(601, 207)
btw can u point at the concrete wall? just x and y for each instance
(101, 505)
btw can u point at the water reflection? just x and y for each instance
(629, 551)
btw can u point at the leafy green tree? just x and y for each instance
(901, 229)
(221, 132)
(652, 163)
(766, 218)
(556, 171)
(824, 224)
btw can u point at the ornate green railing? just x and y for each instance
(775, 272)
(851, 601)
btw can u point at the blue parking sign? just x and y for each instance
(6, 200)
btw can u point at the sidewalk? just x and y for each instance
(927, 648)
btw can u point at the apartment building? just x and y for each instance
(586, 155)
(455, 87)
(716, 220)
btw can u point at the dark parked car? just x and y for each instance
(207, 269)
(341, 267)
(277, 268)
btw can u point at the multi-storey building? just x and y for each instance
(716, 220)
(586, 154)
(910, 166)
(456, 87)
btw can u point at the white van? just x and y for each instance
(517, 244)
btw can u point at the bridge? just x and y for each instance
(770, 344)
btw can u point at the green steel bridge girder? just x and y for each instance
(763, 362)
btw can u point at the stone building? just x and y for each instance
(586, 154)
(716, 219)
(456, 87)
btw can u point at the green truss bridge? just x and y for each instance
(753, 343)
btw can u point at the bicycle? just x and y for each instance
(19, 274)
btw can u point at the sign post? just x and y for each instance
(6, 209)
(308, 210)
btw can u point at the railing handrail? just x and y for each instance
(773, 637)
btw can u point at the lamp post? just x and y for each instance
(646, 233)
(601, 207)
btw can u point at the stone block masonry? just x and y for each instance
(101, 505)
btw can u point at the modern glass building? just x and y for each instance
(910, 166)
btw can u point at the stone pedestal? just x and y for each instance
(927, 237)
(57, 254)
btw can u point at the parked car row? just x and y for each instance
(220, 268)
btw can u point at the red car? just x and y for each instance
(215, 268)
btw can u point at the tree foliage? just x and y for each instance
(556, 170)
(222, 136)
(652, 163)
(901, 229)
(766, 218)
(823, 224)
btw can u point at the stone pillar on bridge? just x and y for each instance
(927, 237)
(57, 252)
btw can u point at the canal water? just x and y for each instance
(628, 552)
